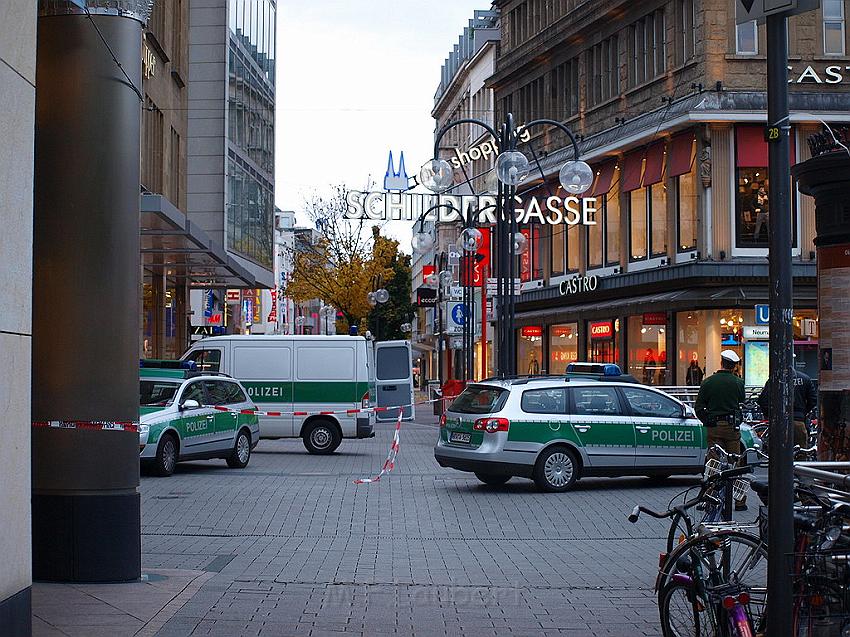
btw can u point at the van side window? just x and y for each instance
(223, 392)
(595, 401)
(393, 363)
(207, 360)
(545, 401)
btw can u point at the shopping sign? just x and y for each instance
(426, 297)
(602, 329)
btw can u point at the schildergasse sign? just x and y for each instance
(411, 206)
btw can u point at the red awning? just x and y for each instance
(654, 169)
(632, 169)
(752, 150)
(603, 179)
(680, 155)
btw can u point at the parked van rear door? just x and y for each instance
(264, 368)
(394, 374)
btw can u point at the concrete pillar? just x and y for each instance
(85, 409)
(826, 177)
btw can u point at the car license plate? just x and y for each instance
(459, 436)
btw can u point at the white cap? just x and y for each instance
(730, 355)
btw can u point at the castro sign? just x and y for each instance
(578, 284)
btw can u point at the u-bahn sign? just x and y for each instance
(411, 206)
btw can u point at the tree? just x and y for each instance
(341, 264)
(385, 319)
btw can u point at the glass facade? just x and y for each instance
(563, 347)
(647, 340)
(529, 351)
(250, 130)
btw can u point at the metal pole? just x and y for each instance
(780, 472)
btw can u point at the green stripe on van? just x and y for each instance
(306, 391)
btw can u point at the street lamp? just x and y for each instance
(378, 297)
(512, 169)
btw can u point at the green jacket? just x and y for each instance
(719, 395)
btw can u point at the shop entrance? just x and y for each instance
(602, 342)
(602, 352)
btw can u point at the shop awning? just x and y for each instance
(675, 300)
(680, 154)
(752, 150)
(172, 245)
(654, 168)
(632, 171)
(603, 179)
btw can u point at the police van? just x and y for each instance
(303, 376)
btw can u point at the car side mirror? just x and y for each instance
(687, 412)
(190, 404)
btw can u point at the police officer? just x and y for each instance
(805, 399)
(718, 407)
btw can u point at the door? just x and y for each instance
(225, 394)
(394, 374)
(196, 426)
(664, 436)
(600, 424)
(265, 371)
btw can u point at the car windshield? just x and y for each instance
(156, 393)
(479, 399)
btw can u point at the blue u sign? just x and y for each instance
(762, 314)
(459, 314)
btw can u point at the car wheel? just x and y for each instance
(321, 437)
(493, 479)
(556, 470)
(167, 454)
(241, 454)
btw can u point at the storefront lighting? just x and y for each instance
(643, 330)
(660, 330)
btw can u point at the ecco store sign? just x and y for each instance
(578, 284)
(409, 206)
(832, 74)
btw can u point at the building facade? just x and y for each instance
(17, 123)
(668, 100)
(461, 94)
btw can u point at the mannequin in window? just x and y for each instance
(761, 212)
(695, 374)
(533, 364)
(649, 368)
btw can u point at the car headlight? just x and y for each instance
(144, 430)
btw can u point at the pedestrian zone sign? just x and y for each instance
(457, 314)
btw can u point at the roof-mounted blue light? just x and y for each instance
(603, 369)
(152, 363)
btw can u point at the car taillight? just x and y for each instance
(492, 425)
(364, 402)
(443, 421)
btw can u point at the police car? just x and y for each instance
(594, 421)
(179, 422)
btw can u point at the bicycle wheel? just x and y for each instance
(679, 611)
(723, 557)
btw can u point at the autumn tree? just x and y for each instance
(339, 267)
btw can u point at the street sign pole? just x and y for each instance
(780, 471)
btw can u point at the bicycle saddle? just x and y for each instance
(761, 488)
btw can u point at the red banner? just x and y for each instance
(530, 331)
(473, 268)
(654, 318)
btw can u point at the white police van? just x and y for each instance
(303, 376)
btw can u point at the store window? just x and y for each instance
(637, 225)
(531, 261)
(690, 346)
(686, 207)
(563, 347)
(603, 339)
(529, 350)
(647, 343)
(559, 248)
(612, 225)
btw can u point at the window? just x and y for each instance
(747, 38)
(595, 239)
(647, 348)
(563, 347)
(564, 91)
(612, 225)
(686, 205)
(393, 363)
(174, 169)
(603, 76)
(752, 208)
(194, 391)
(152, 147)
(686, 30)
(559, 248)
(479, 399)
(595, 401)
(648, 222)
(833, 27)
(157, 393)
(207, 360)
(529, 351)
(643, 402)
(648, 48)
(544, 401)
(222, 392)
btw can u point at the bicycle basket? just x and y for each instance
(822, 599)
(740, 488)
(713, 467)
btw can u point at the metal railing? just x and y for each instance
(688, 394)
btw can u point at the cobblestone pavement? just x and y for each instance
(295, 548)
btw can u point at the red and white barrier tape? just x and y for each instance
(349, 412)
(85, 424)
(389, 463)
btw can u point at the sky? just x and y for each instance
(356, 79)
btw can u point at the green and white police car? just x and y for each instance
(179, 422)
(555, 430)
